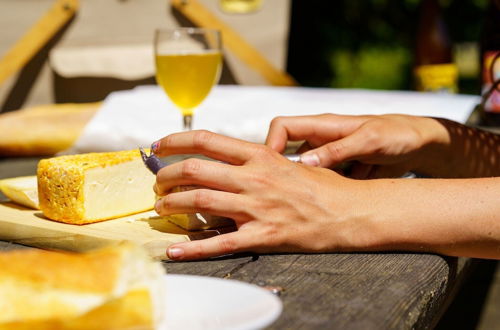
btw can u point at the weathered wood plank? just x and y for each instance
(332, 291)
(347, 291)
(341, 291)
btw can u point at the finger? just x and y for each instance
(234, 242)
(202, 200)
(315, 129)
(277, 135)
(203, 142)
(199, 172)
(352, 147)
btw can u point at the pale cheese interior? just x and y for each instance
(21, 190)
(117, 190)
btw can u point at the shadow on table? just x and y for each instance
(465, 310)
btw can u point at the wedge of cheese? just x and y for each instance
(21, 190)
(92, 187)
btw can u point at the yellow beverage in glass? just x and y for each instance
(188, 64)
(188, 78)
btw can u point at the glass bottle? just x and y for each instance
(434, 68)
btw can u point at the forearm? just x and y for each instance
(457, 151)
(459, 217)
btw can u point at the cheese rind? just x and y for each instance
(92, 187)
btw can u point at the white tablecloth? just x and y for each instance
(129, 119)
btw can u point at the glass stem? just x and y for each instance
(188, 120)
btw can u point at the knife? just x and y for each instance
(155, 164)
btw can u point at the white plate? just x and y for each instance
(198, 302)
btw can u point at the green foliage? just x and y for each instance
(371, 67)
(369, 43)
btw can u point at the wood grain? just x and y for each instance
(30, 227)
(347, 291)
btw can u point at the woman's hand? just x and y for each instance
(276, 204)
(382, 146)
(281, 206)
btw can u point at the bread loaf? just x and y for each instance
(43, 130)
(117, 287)
(92, 187)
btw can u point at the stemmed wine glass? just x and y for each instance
(188, 65)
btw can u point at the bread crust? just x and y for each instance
(43, 130)
(109, 288)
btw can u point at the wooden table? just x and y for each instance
(331, 291)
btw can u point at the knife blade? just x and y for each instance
(155, 164)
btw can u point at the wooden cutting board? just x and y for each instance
(29, 227)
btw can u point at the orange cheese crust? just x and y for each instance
(61, 179)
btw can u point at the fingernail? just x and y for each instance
(310, 159)
(175, 252)
(158, 206)
(155, 146)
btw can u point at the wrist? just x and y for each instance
(434, 156)
(362, 229)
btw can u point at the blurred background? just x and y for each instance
(342, 44)
(371, 44)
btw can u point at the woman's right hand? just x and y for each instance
(380, 146)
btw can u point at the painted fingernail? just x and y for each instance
(310, 159)
(175, 252)
(158, 206)
(155, 146)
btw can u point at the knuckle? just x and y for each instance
(190, 168)
(262, 152)
(227, 244)
(167, 142)
(277, 121)
(203, 200)
(198, 250)
(273, 238)
(167, 202)
(201, 138)
(371, 135)
(258, 180)
(335, 150)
